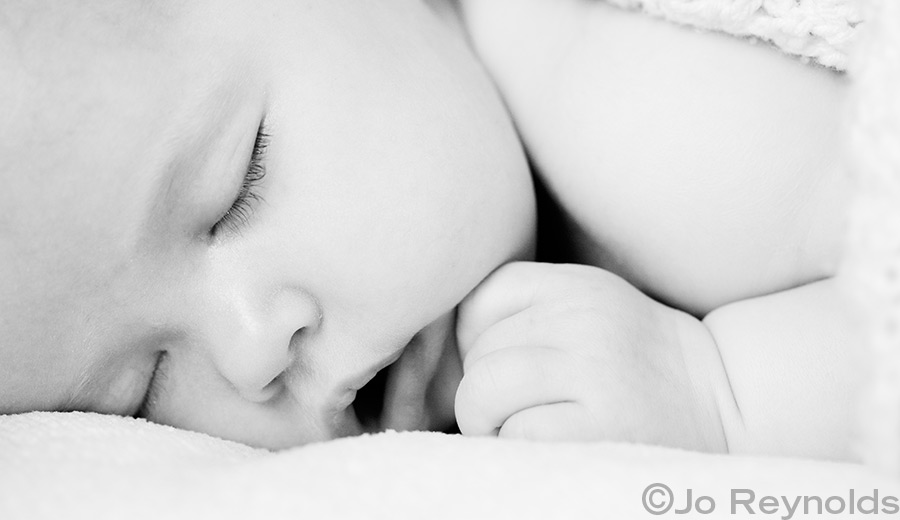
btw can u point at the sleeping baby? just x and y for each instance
(230, 217)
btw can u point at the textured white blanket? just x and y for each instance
(91, 466)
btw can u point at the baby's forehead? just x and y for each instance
(49, 34)
(81, 76)
(88, 45)
(97, 100)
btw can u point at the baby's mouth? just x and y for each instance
(414, 392)
(369, 403)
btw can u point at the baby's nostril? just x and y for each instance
(369, 402)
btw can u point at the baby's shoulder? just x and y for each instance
(700, 167)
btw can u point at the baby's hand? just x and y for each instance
(572, 352)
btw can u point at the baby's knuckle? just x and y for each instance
(511, 273)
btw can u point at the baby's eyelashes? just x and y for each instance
(238, 215)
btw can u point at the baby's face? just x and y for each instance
(256, 205)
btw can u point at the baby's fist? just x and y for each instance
(573, 352)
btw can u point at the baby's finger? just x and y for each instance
(557, 324)
(507, 291)
(507, 381)
(567, 421)
(527, 328)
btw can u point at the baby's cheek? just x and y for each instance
(413, 185)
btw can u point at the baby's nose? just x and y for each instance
(252, 348)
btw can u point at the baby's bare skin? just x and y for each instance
(704, 171)
(394, 183)
(661, 142)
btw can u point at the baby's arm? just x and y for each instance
(564, 352)
(791, 363)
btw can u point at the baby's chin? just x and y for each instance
(417, 391)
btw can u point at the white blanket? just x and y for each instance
(77, 465)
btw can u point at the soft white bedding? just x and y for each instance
(91, 466)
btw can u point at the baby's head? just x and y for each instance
(260, 202)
